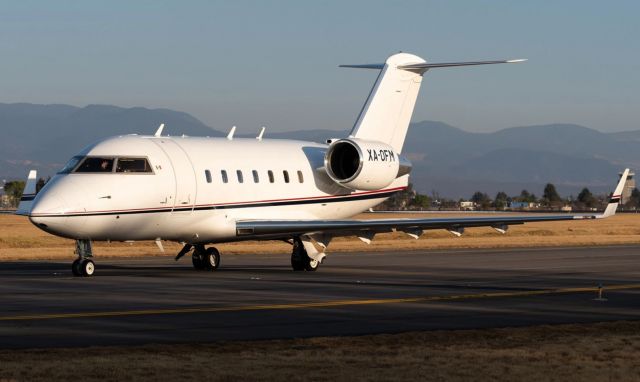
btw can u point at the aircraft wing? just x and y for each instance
(413, 227)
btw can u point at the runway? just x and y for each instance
(156, 300)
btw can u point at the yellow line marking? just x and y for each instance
(321, 304)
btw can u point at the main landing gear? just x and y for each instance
(300, 260)
(202, 258)
(83, 265)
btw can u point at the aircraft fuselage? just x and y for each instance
(195, 189)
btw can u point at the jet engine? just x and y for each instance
(359, 164)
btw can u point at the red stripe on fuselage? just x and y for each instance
(230, 203)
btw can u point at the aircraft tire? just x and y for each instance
(75, 267)
(311, 265)
(87, 267)
(211, 259)
(198, 262)
(298, 258)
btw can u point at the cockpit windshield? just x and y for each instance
(133, 165)
(80, 164)
(96, 164)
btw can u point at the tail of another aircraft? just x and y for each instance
(29, 193)
(387, 112)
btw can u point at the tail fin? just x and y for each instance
(387, 112)
(29, 193)
(616, 197)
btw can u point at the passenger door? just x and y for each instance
(184, 174)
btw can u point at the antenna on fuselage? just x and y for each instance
(262, 129)
(231, 132)
(159, 131)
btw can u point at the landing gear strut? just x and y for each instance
(300, 260)
(205, 258)
(83, 265)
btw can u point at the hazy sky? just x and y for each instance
(251, 63)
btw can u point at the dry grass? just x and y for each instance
(19, 239)
(579, 352)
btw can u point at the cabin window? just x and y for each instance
(239, 173)
(96, 164)
(256, 178)
(285, 173)
(207, 174)
(225, 179)
(73, 162)
(300, 177)
(271, 179)
(133, 165)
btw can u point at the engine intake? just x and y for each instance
(363, 165)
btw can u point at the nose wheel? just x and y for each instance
(83, 266)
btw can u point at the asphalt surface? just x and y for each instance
(156, 300)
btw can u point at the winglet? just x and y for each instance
(159, 131)
(616, 197)
(29, 193)
(259, 137)
(231, 132)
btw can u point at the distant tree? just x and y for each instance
(501, 200)
(586, 198)
(550, 195)
(526, 197)
(14, 190)
(421, 201)
(481, 199)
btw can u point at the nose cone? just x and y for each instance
(48, 212)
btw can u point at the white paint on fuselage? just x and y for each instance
(119, 206)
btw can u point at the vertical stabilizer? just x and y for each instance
(616, 196)
(387, 112)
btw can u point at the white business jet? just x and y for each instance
(202, 191)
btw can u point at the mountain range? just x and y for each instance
(448, 160)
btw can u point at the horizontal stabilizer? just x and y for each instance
(423, 66)
(364, 66)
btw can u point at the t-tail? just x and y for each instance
(29, 193)
(387, 112)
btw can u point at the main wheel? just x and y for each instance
(298, 257)
(198, 260)
(87, 267)
(211, 259)
(311, 265)
(75, 267)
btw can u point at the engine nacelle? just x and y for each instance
(363, 165)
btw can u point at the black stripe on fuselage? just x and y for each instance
(27, 198)
(334, 199)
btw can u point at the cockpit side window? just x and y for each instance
(133, 165)
(73, 162)
(96, 164)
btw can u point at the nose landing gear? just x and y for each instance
(83, 265)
